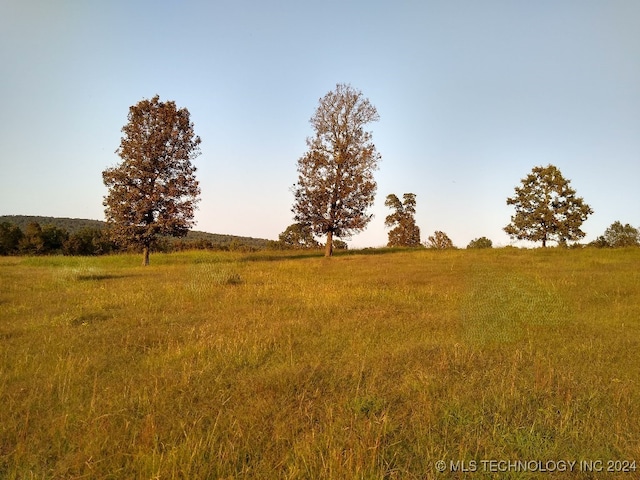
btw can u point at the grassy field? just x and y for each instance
(267, 365)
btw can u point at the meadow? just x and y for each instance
(368, 365)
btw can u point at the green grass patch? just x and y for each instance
(278, 365)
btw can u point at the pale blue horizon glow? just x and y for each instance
(471, 96)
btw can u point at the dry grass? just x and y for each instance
(209, 365)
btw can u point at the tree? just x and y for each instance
(10, 236)
(39, 240)
(482, 242)
(439, 241)
(547, 208)
(53, 238)
(153, 192)
(339, 244)
(335, 177)
(618, 235)
(406, 233)
(88, 241)
(297, 236)
(32, 242)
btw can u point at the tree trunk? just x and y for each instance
(328, 249)
(145, 256)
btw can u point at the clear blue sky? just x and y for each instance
(471, 96)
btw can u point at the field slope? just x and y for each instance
(271, 365)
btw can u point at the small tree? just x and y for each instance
(54, 238)
(482, 242)
(335, 177)
(154, 191)
(618, 235)
(406, 233)
(340, 244)
(439, 241)
(32, 243)
(10, 236)
(297, 236)
(547, 208)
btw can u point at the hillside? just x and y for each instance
(71, 225)
(74, 225)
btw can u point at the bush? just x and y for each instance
(482, 242)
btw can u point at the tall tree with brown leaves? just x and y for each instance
(154, 191)
(335, 177)
(547, 208)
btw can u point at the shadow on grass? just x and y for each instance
(302, 254)
(274, 257)
(377, 251)
(88, 277)
(10, 335)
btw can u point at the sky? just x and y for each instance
(471, 96)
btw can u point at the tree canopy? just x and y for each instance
(335, 177)
(405, 232)
(547, 208)
(154, 191)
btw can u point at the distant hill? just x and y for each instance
(73, 225)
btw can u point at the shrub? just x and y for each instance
(482, 242)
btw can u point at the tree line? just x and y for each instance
(35, 239)
(49, 239)
(336, 187)
(153, 192)
(60, 236)
(299, 236)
